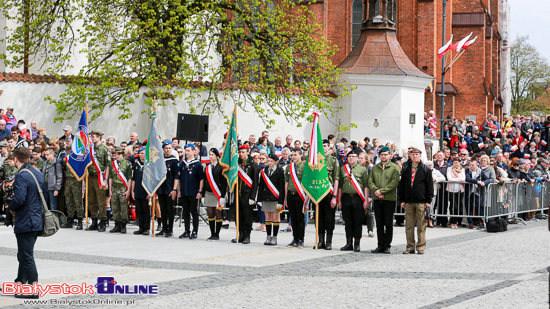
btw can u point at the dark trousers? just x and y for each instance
(295, 208)
(26, 273)
(442, 206)
(455, 198)
(326, 215)
(190, 208)
(167, 211)
(383, 213)
(245, 214)
(353, 213)
(474, 208)
(143, 214)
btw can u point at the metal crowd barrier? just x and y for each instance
(458, 200)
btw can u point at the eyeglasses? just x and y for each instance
(463, 154)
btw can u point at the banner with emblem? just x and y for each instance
(230, 156)
(315, 179)
(154, 172)
(79, 159)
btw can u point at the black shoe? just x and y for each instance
(185, 234)
(471, 226)
(356, 247)
(145, 233)
(348, 246)
(79, 225)
(329, 242)
(92, 227)
(168, 234)
(122, 227)
(294, 243)
(386, 251)
(138, 232)
(67, 225)
(246, 240)
(101, 227)
(238, 240)
(159, 228)
(377, 250)
(115, 229)
(321, 243)
(193, 235)
(161, 233)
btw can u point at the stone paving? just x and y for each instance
(461, 269)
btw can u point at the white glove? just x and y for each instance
(259, 204)
(279, 206)
(222, 201)
(250, 202)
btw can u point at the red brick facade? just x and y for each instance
(475, 75)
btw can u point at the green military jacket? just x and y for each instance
(361, 175)
(385, 179)
(125, 168)
(102, 156)
(299, 173)
(333, 169)
(9, 171)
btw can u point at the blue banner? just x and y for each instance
(79, 159)
(154, 171)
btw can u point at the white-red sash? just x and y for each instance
(213, 185)
(245, 178)
(297, 183)
(354, 182)
(269, 184)
(120, 174)
(101, 177)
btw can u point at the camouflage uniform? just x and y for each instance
(96, 195)
(119, 203)
(73, 195)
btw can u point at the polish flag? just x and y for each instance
(543, 142)
(457, 47)
(470, 42)
(514, 148)
(527, 156)
(444, 49)
(480, 145)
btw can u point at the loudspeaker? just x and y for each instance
(192, 128)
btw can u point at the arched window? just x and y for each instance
(356, 21)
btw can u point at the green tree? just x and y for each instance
(268, 54)
(530, 73)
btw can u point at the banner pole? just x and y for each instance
(237, 209)
(86, 187)
(153, 208)
(316, 226)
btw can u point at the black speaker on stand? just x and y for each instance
(192, 128)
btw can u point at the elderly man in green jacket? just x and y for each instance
(383, 182)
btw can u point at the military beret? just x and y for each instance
(384, 149)
(95, 132)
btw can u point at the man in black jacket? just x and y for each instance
(416, 192)
(27, 208)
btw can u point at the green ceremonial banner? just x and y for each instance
(315, 179)
(230, 156)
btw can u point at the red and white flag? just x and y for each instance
(514, 148)
(469, 43)
(457, 47)
(527, 156)
(444, 48)
(543, 142)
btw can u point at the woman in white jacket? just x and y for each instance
(455, 190)
(437, 178)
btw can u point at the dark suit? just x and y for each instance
(474, 194)
(442, 198)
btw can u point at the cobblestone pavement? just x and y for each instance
(461, 269)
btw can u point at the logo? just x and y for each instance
(153, 155)
(108, 286)
(320, 163)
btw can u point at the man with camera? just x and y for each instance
(27, 208)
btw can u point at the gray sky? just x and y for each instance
(532, 17)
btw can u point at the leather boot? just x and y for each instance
(123, 227)
(79, 224)
(240, 239)
(328, 245)
(92, 227)
(102, 224)
(116, 229)
(246, 239)
(68, 224)
(321, 244)
(356, 247)
(348, 246)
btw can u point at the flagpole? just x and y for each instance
(316, 226)
(86, 188)
(237, 208)
(454, 60)
(153, 208)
